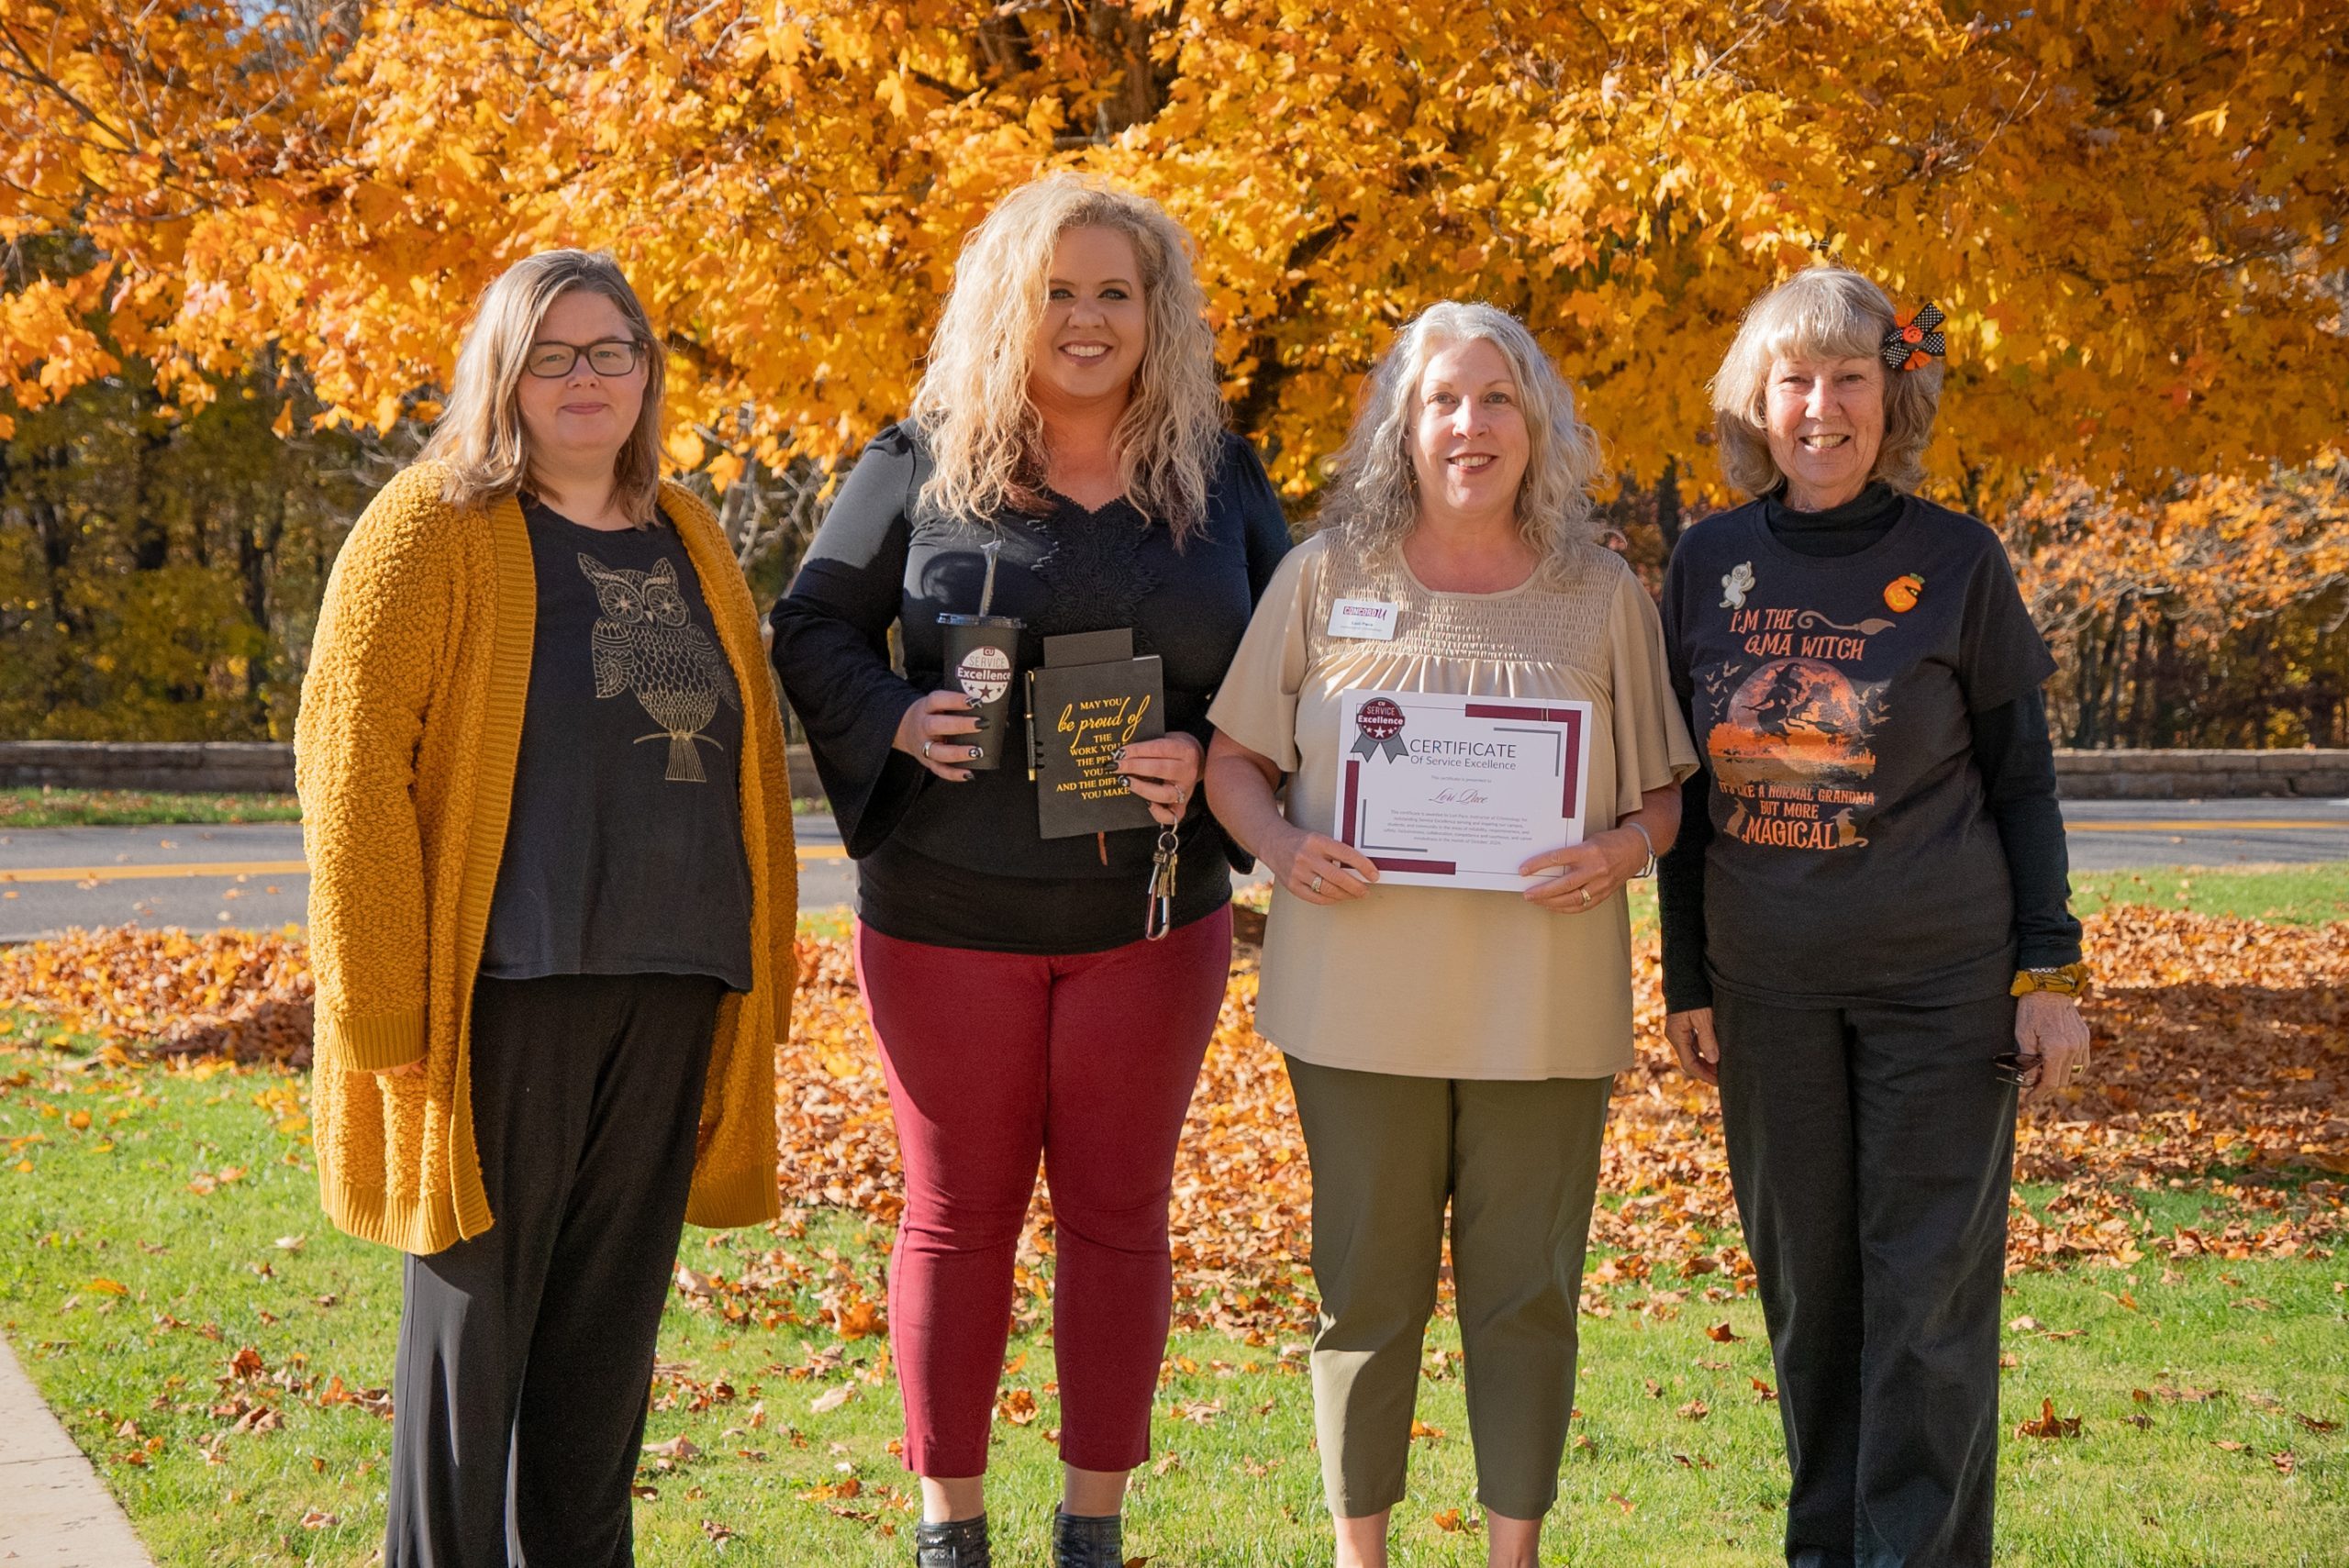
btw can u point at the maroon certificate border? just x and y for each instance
(1571, 718)
(1384, 862)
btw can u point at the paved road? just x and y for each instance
(252, 876)
(2123, 835)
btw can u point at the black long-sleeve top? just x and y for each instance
(2011, 751)
(963, 864)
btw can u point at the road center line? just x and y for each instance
(240, 868)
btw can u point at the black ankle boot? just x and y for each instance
(1086, 1541)
(960, 1543)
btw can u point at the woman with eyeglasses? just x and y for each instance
(551, 908)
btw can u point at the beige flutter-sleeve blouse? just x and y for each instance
(1439, 981)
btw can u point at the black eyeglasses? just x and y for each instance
(613, 356)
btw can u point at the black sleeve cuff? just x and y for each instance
(1680, 899)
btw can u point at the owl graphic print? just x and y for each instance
(624, 840)
(1830, 697)
(646, 642)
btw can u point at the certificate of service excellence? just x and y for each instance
(1445, 790)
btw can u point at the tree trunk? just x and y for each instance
(1667, 505)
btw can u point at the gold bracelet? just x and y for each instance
(2071, 980)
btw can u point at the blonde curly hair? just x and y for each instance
(985, 439)
(1824, 312)
(1374, 496)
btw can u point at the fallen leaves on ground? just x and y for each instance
(240, 994)
(2048, 1424)
(2221, 1064)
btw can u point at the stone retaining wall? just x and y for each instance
(234, 768)
(208, 768)
(2201, 776)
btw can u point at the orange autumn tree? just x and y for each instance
(2134, 214)
(2217, 614)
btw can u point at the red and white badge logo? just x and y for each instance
(1380, 724)
(984, 674)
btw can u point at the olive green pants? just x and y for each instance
(1518, 1163)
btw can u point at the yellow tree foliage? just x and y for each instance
(2218, 610)
(2133, 213)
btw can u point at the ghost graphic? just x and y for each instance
(1736, 585)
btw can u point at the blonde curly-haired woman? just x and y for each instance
(1449, 1046)
(1070, 414)
(552, 963)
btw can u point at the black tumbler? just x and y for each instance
(983, 660)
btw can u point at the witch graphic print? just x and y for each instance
(646, 641)
(1828, 698)
(629, 776)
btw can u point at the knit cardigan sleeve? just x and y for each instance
(380, 633)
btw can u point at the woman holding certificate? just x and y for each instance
(1451, 1043)
(1065, 477)
(1874, 873)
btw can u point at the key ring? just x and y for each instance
(1158, 915)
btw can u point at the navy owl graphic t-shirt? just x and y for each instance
(1853, 858)
(624, 843)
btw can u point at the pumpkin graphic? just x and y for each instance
(1902, 591)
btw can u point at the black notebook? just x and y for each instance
(1091, 697)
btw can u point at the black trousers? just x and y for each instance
(526, 1352)
(1871, 1150)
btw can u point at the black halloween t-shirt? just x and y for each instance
(624, 840)
(1853, 857)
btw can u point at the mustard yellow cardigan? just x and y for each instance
(403, 754)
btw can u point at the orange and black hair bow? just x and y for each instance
(1907, 345)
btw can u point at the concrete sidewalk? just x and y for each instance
(54, 1512)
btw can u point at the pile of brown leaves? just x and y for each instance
(2221, 1065)
(240, 994)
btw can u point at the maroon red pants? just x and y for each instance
(994, 1059)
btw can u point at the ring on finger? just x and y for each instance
(927, 745)
(1316, 881)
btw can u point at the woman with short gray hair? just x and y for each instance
(1871, 872)
(1450, 1044)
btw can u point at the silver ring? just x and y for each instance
(1317, 882)
(926, 746)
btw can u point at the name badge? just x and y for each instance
(1363, 617)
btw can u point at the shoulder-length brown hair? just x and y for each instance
(985, 436)
(479, 436)
(1823, 312)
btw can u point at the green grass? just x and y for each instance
(2313, 894)
(127, 1292)
(2300, 895)
(50, 808)
(837, 922)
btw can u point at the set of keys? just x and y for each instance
(1160, 918)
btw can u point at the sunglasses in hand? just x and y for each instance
(2018, 1068)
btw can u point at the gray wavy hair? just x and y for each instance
(1825, 311)
(1375, 498)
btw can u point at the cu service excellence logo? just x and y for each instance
(1380, 725)
(984, 674)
